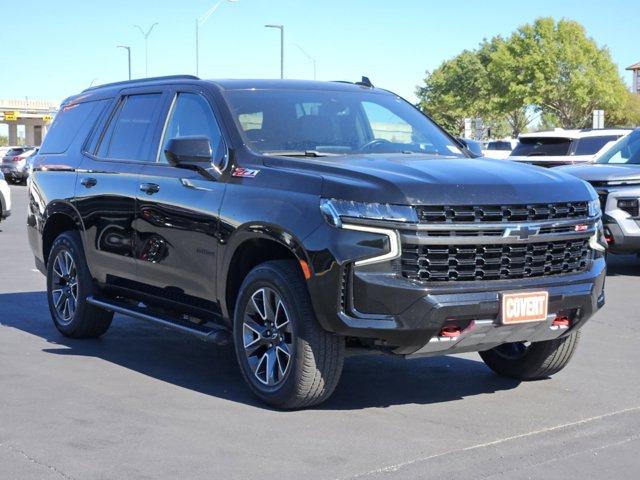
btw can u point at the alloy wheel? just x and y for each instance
(267, 337)
(64, 286)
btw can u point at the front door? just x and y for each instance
(177, 212)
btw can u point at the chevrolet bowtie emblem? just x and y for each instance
(522, 232)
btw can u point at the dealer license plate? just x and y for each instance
(524, 307)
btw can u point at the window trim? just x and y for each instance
(175, 92)
(120, 99)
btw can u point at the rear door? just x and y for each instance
(108, 182)
(177, 210)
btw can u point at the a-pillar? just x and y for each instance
(13, 133)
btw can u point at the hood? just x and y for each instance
(423, 180)
(602, 172)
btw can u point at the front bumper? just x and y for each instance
(412, 315)
(623, 231)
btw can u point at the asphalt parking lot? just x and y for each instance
(143, 402)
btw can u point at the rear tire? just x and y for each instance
(287, 359)
(538, 360)
(69, 283)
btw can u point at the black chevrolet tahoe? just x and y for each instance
(304, 220)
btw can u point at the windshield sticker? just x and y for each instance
(244, 172)
(453, 149)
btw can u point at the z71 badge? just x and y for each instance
(244, 172)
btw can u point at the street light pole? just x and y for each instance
(281, 28)
(128, 48)
(146, 46)
(199, 22)
(309, 57)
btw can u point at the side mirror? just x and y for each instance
(189, 152)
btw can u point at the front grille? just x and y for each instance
(501, 213)
(430, 263)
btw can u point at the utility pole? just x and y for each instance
(128, 48)
(281, 28)
(146, 46)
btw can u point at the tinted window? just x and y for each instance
(627, 150)
(14, 151)
(130, 132)
(68, 123)
(191, 115)
(504, 146)
(542, 146)
(292, 122)
(592, 145)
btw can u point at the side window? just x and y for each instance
(191, 115)
(592, 145)
(386, 125)
(130, 132)
(69, 121)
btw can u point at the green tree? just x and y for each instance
(454, 91)
(628, 115)
(559, 69)
(547, 68)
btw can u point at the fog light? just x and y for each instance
(629, 205)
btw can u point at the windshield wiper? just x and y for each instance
(300, 153)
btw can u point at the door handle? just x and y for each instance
(89, 182)
(149, 188)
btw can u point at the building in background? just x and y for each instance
(34, 115)
(635, 84)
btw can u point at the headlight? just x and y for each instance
(594, 208)
(594, 205)
(335, 210)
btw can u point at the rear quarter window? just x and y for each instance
(69, 121)
(592, 145)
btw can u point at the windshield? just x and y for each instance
(542, 146)
(626, 151)
(326, 122)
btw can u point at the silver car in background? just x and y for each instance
(616, 177)
(15, 167)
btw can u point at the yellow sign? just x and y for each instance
(10, 116)
(47, 118)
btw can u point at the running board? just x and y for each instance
(218, 336)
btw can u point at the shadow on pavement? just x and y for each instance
(368, 381)
(626, 265)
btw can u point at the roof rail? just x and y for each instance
(143, 80)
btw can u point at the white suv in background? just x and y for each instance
(5, 200)
(564, 147)
(499, 149)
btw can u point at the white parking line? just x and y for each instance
(399, 466)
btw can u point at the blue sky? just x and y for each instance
(50, 49)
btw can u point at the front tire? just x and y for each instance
(69, 284)
(287, 359)
(532, 362)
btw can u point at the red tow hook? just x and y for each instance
(562, 321)
(450, 331)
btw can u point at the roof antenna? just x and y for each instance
(365, 82)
